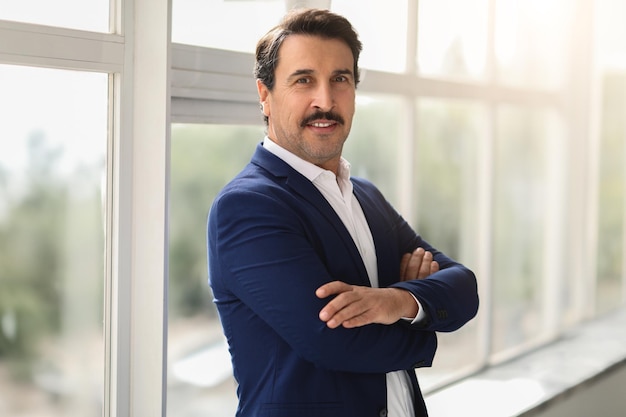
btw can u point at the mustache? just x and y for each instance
(321, 115)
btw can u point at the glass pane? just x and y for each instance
(610, 33)
(203, 159)
(382, 28)
(52, 170)
(373, 147)
(92, 15)
(532, 40)
(523, 187)
(224, 24)
(452, 45)
(446, 162)
(610, 36)
(612, 183)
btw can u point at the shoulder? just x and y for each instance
(257, 191)
(363, 184)
(365, 189)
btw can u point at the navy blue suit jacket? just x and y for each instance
(272, 241)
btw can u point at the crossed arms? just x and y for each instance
(356, 306)
(275, 264)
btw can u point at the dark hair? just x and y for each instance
(315, 22)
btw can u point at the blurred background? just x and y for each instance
(496, 127)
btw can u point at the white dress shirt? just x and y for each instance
(338, 193)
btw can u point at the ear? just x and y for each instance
(263, 97)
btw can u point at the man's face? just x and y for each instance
(311, 107)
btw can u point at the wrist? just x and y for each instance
(408, 304)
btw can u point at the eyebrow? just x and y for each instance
(299, 72)
(344, 72)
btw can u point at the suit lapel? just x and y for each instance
(300, 185)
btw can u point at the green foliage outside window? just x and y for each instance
(38, 240)
(203, 159)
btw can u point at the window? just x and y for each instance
(382, 27)
(205, 23)
(526, 190)
(499, 135)
(611, 147)
(611, 265)
(453, 45)
(52, 167)
(532, 42)
(76, 14)
(477, 144)
(203, 159)
(79, 215)
(375, 143)
(447, 161)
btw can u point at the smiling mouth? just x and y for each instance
(322, 124)
(322, 120)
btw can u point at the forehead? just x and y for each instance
(315, 53)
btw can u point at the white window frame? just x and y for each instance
(136, 55)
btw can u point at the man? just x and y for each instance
(328, 299)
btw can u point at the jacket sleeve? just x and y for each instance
(449, 296)
(269, 255)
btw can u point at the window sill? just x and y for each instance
(543, 379)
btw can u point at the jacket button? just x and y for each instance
(382, 413)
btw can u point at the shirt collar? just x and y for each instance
(309, 170)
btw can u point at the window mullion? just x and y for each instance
(137, 367)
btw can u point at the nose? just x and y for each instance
(324, 99)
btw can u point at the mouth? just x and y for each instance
(322, 124)
(322, 127)
(320, 120)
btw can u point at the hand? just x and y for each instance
(356, 306)
(417, 265)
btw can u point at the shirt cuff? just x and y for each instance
(421, 314)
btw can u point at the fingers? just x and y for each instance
(425, 266)
(404, 263)
(356, 306)
(349, 313)
(412, 264)
(332, 288)
(339, 308)
(434, 267)
(353, 305)
(417, 265)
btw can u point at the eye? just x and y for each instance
(341, 78)
(303, 80)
